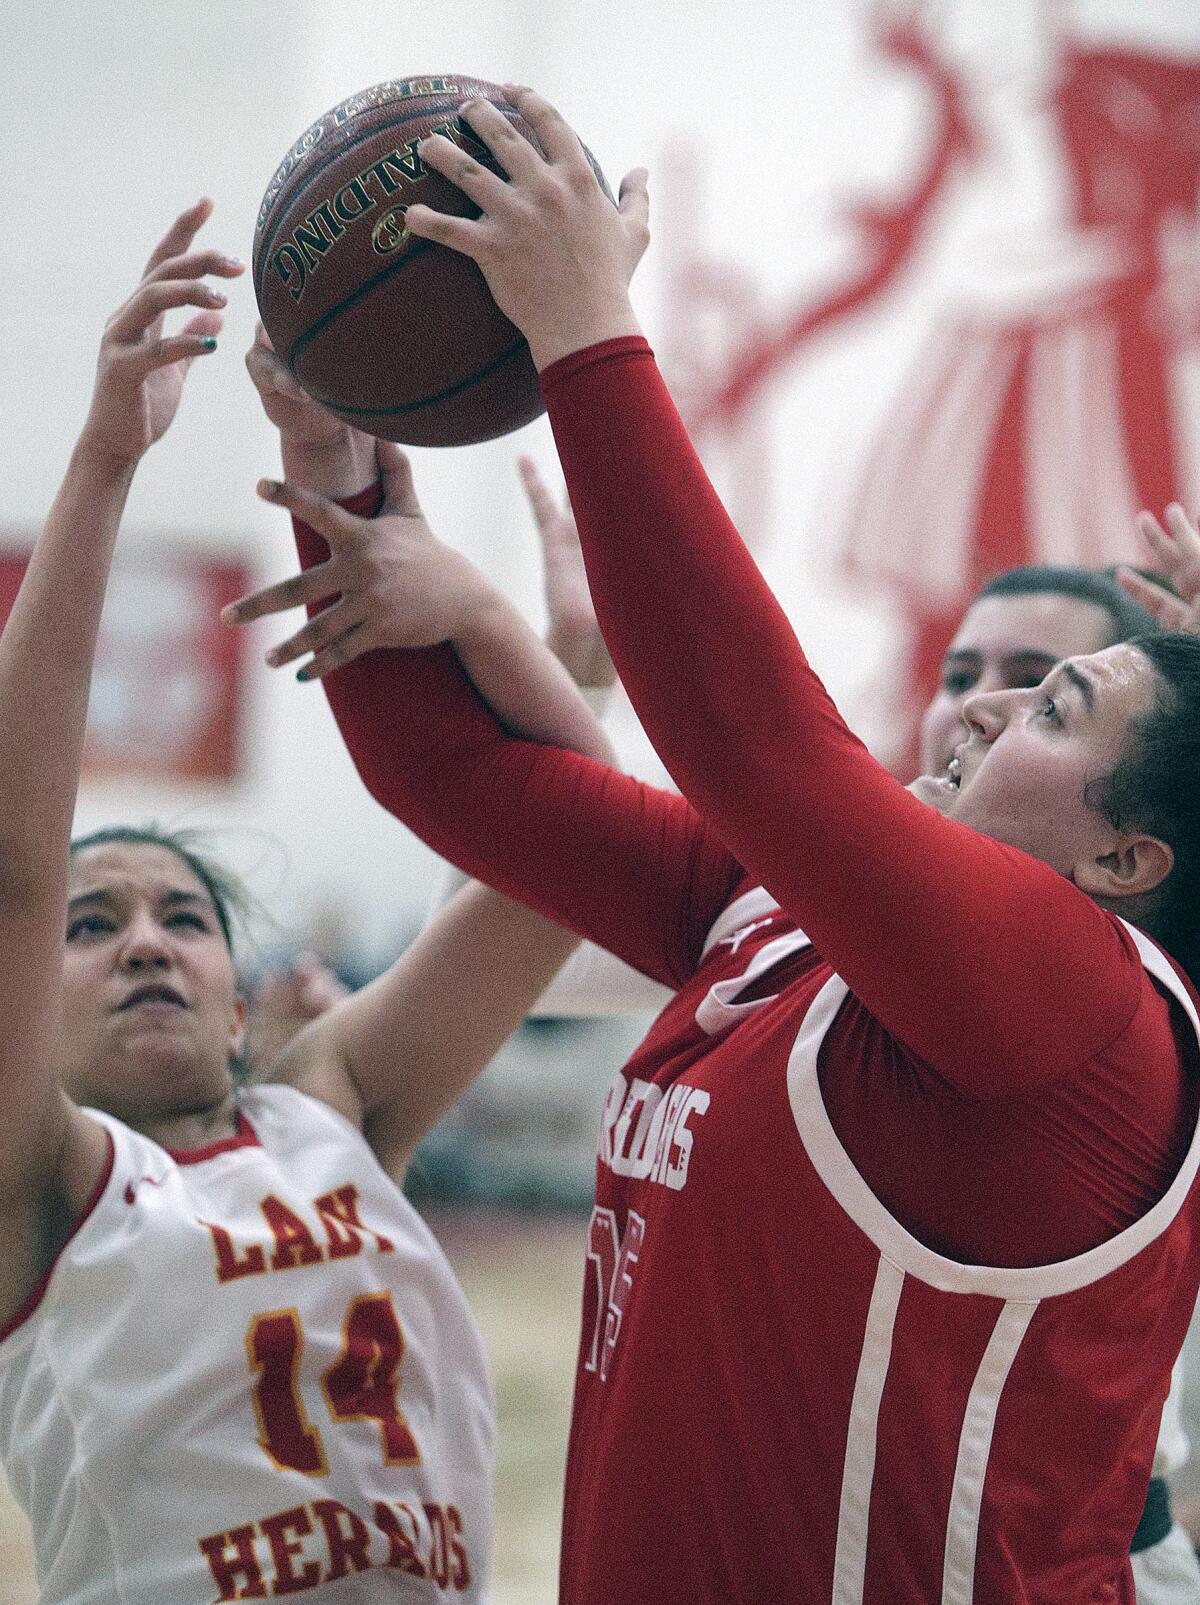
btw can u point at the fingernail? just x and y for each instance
(208, 343)
(229, 613)
(268, 487)
(215, 296)
(302, 675)
(273, 657)
(234, 261)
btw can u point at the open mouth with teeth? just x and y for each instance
(954, 773)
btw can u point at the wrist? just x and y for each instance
(586, 327)
(103, 462)
(339, 467)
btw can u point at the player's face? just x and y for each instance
(150, 1011)
(1005, 643)
(1021, 775)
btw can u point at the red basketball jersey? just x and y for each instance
(783, 1396)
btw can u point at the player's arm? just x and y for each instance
(936, 928)
(592, 982)
(46, 654)
(395, 1055)
(633, 868)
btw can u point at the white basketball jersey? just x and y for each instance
(251, 1373)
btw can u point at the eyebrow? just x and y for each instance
(1082, 684)
(1030, 654)
(174, 899)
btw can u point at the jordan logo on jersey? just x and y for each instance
(743, 931)
(646, 1132)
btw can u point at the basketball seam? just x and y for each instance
(514, 350)
(302, 341)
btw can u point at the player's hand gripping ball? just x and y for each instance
(397, 335)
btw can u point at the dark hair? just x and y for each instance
(1156, 787)
(229, 896)
(1093, 585)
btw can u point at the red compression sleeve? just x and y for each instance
(624, 864)
(984, 962)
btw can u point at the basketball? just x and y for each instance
(399, 336)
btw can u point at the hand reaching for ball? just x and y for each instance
(319, 450)
(290, 408)
(141, 369)
(557, 256)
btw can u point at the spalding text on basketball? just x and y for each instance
(303, 252)
(378, 95)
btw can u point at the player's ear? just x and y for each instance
(1136, 864)
(237, 1028)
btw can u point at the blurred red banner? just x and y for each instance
(168, 689)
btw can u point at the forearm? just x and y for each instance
(46, 654)
(525, 685)
(632, 868)
(410, 1047)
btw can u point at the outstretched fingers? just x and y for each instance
(314, 585)
(1187, 543)
(196, 339)
(1176, 549)
(196, 265)
(153, 298)
(545, 510)
(1166, 610)
(467, 235)
(519, 158)
(476, 181)
(181, 233)
(343, 618)
(456, 233)
(1157, 539)
(348, 646)
(318, 512)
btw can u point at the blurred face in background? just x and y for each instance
(1006, 643)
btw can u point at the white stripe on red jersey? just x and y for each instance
(793, 1399)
